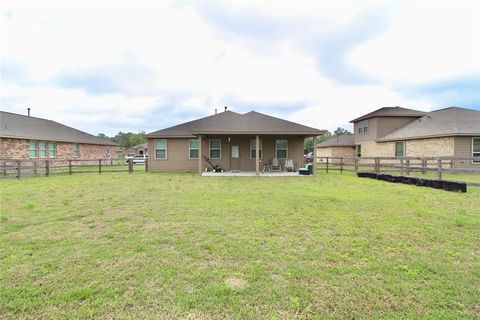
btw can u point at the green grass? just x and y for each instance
(156, 246)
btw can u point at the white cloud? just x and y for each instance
(197, 67)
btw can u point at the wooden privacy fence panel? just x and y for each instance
(17, 168)
(404, 165)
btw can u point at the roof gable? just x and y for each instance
(390, 112)
(344, 140)
(19, 126)
(453, 121)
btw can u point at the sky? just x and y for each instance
(110, 66)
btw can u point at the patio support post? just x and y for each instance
(257, 155)
(314, 158)
(200, 154)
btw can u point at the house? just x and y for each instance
(399, 132)
(139, 149)
(337, 146)
(237, 142)
(26, 137)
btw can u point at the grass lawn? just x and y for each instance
(182, 246)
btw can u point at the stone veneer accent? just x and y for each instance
(11, 148)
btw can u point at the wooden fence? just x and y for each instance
(17, 168)
(456, 166)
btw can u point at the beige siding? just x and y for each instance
(372, 131)
(177, 153)
(177, 157)
(463, 148)
(385, 125)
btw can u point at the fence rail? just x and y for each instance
(17, 168)
(439, 166)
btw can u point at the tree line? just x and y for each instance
(326, 135)
(126, 139)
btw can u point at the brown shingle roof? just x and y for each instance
(391, 112)
(344, 140)
(234, 123)
(451, 121)
(18, 126)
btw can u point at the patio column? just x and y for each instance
(257, 155)
(314, 158)
(200, 153)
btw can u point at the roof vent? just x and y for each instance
(28, 112)
(225, 108)
(215, 110)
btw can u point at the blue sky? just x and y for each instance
(106, 66)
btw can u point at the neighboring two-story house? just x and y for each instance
(398, 132)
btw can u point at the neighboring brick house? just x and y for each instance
(139, 149)
(398, 132)
(25, 137)
(338, 146)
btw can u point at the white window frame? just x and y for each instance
(190, 148)
(475, 152)
(46, 150)
(210, 148)
(155, 149)
(404, 149)
(286, 149)
(54, 149)
(75, 156)
(362, 125)
(36, 149)
(253, 146)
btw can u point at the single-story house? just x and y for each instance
(139, 149)
(337, 146)
(26, 137)
(234, 141)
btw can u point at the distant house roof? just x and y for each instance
(451, 121)
(344, 140)
(391, 112)
(141, 145)
(18, 126)
(230, 122)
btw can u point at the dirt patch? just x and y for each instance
(236, 283)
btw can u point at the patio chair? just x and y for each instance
(276, 166)
(289, 166)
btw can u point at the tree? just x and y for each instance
(126, 139)
(340, 131)
(309, 141)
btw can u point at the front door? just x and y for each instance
(235, 158)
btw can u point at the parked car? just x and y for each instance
(139, 159)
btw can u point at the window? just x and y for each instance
(52, 151)
(75, 150)
(253, 145)
(215, 148)
(42, 149)
(193, 148)
(400, 149)
(281, 149)
(358, 150)
(161, 149)
(363, 127)
(476, 149)
(32, 149)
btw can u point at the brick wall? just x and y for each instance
(18, 149)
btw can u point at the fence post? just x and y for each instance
(401, 166)
(19, 169)
(146, 165)
(47, 168)
(439, 163)
(424, 166)
(341, 164)
(99, 166)
(35, 167)
(356, 164)
(377, 165)
(451, 163)
(70, 167)
(327, 165)
(4, 168)
(408, 167)
(130, 165)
